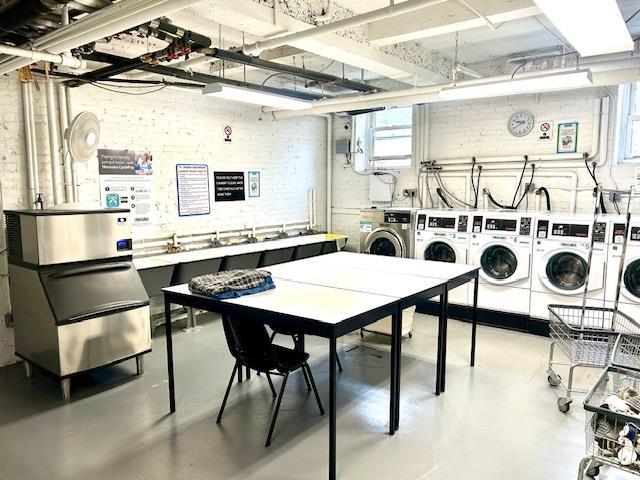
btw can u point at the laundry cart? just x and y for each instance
(586, 335)
(612, 409)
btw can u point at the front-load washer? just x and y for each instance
(388, 232)
(560, 260)
(443, 236)
(629, 298)
(501, 243)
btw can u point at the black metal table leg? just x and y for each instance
(474, 319)
(443, 374)
(441, 321)
(169, 340)
(397, 338)
(393, 392)
(332, 409)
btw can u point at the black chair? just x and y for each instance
(250, 345)
(274, 257)
(298, 340)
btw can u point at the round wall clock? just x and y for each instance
(520, 123)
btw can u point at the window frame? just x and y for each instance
(371, 131)
(627, 100)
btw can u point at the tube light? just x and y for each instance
(251, 95)
(521, 85)
(593, 27)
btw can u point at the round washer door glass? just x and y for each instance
(632, 278)
(498, 262)
(567, 271)
(384, 246)
(440, 252)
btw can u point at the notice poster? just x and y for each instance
(229, 186)
(567, 137)
(254, 184)
(193, 189)
(126, 181)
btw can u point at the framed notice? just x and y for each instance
(228, 186)
(254, 184)
(192, 180)
(567, 137)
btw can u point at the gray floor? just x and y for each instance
(496, 421)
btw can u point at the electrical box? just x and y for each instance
(343, 146)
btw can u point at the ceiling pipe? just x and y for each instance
(17, 13)
(36, 56)
(391, 10)
(479, 14)
(118, 17)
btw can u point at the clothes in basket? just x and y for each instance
(231, 283)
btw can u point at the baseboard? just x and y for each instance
(492, 318)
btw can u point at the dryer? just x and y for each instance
(629, 301)
(560, 257)
(501, 243)
(388, 231)
(443, 236)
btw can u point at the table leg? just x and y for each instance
(332, 408)
(443, 375)
(169, 340)
(397, 335)
(393, 396)
(441, 321)
(474, 320)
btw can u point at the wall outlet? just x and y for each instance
(529, 187)
(410, 192)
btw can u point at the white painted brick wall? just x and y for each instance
(177, 127)
(479, 127)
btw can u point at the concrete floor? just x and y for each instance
(496, 421)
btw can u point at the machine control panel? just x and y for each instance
(442, 222)
(570, 230)
(543, 229)
(422, 220)
(477, 224)
(617, 236)
(635, 234)
(500, 225)
(463, 223)
(525, 226)
(600, 232)
(397, 217)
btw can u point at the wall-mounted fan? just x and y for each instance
(82, 136)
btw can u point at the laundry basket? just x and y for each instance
(613, 413)
(586, 335)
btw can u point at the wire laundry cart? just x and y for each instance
(609, 439)
(586, 335)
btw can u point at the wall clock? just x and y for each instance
(520, 123)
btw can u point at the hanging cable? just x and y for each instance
(475, 204)
(542, 190)
(524, 167)
(443, 198)
(592, 173)
(526, 189)
(449, 194)
(493, 200)
(473, 185)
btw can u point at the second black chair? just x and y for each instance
(250, 345)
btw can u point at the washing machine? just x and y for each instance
(443, 236)
(388, 231)
(560, 258)
(629, 300)
(501, 244)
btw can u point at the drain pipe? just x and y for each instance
(54, 143)
(30, 144)
(391, 10)
(66, 160)
(37, 56)
(72, 164)
(329, 191)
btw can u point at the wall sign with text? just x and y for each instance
(228, 186)
(193, 189)
(567, 137)
(254, 184)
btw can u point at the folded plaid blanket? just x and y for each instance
(231, 283)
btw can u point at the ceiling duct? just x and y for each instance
(17, 13)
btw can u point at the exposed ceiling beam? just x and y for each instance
(447, 18)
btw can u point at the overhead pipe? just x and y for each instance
(391, 10)
(33, 184)
(72, 163)
(66, 159)
(54, 144)
(17, 13)
(37, 56)
(118, 17)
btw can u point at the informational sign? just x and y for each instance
(228, 186)
(545, 130)
(227, 133)
(254, 184)
(193, 189)
(126, 181)
(567, 137)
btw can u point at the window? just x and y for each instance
(385, 139)
(629, 123)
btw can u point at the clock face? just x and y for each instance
(520, 123)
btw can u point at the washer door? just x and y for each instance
(499, 263)
(384, 242)
(440, 251)
(566, 271)
(631, 281)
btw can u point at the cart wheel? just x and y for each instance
(554, 379)
(593, 472)
(564, 403)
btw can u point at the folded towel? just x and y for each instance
(231, 283)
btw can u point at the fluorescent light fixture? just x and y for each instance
(593, 27)
(520, 85)
(254, 96)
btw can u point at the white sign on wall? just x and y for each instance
(545, 130)
(193, 189)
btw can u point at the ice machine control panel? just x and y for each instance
(525, 226)
(500, 225)
(422, 220)
(397, 217)
(463, 223)
(124, 245)
(442, 222)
